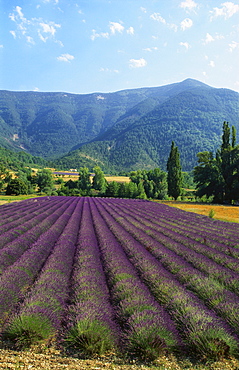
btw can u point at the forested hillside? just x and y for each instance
(125, 130)
(193, 119)
(15, 160)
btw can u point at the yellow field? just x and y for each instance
(224, 213)
(117, 178)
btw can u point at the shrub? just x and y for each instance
(90, 337)
(27, 330)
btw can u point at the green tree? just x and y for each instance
(219, 176)
(17, 186)
(99, 182)
(174, 169)
(131, 190)
(122, 191)
(112, 189)
(149, 188)
(138, 176)
(228, 161)
(208, 177)
(159, 179)
(25, 174)
(141, 192)
(154, 182)
(44, 180)
(4, 175)
(84, 183)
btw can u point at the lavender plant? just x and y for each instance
(189, 312)
(132, 297)
(18, 277)
(47, 298)
(91, 325)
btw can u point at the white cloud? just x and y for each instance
(185, 44)
(144, 10)
(19, 19)
(208, 38)
(19, 12)
(95, 35)
(1, 46)
(157, 17)
(36, 89)
(30, 40)
(151, 49)
(137, 63)
(13, 33)
(65, 58)
(50, 27)
(227, 10)
(219, 37)
(60, 43)
(212, 64)
(109, 70)
(233, 45)
(116, 27)
(130, 31)
(174, 27)
(28, 27)
(188, 5)
(48, 1)
(186, 23)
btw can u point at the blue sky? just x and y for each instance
(85, 46)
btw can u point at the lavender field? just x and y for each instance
(102, 274)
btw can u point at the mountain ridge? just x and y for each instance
(113, 128)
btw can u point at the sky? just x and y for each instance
(86, 46)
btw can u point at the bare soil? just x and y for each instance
(51, 359)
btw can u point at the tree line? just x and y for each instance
(218, 176)
(215, 177)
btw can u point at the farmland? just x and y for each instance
(97, 275)
(220, 212)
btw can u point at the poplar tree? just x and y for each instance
(227, 160)
(174, 169)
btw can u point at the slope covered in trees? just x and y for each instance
(16, 160)
(193, 119)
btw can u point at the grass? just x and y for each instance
(15, 198)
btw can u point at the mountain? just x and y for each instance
(124, 130)
(17, 160)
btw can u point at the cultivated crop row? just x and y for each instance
(97, 274)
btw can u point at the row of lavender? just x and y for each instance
(102, 273)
